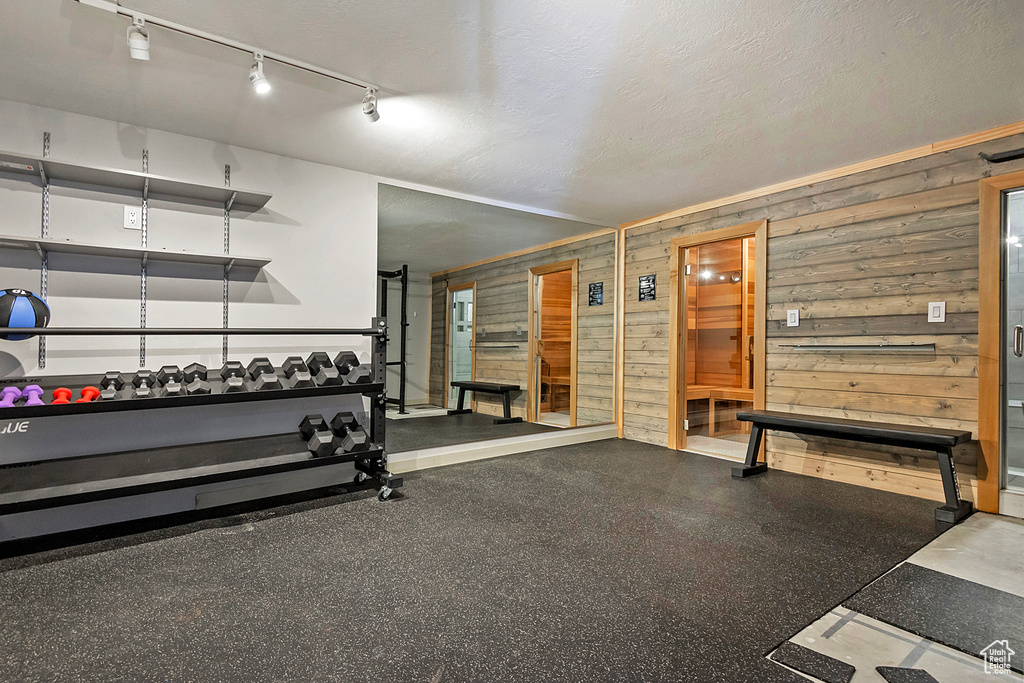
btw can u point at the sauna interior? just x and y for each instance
(719, 345)
(554, 347)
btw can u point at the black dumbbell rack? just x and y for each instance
(288, 455)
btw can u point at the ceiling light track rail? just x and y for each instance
(149, 19)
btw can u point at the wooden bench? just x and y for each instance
(505, 390)
(939, 441)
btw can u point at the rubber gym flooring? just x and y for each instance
(449, 430)
(604, 561)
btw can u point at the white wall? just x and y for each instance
(320, 229)
(418, 341)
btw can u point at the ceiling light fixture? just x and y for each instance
(259, 82)
(141, 21)
(138, 39)
(370, 105)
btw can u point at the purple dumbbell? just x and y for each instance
(10, 395)
(34, 394)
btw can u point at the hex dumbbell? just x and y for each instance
(144, 382)
(193, 372)
(295, 369)
(323, 370)
(61, 396)
(111, 384)
(171, 377)
(354, 438)
(89, 394)
(233, 375)
(10, 396)
(312, 424)
(349, 368)
(262, 371)
(34, 395)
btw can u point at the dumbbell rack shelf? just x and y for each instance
(139, 457)
(23, 412)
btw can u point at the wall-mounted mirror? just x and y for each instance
(509, 320)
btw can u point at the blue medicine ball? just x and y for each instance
(21, 308)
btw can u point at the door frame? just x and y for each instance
(677, 324)
(990, 334)
(448, 335)
(531, 374)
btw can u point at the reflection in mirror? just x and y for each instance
(510, 320)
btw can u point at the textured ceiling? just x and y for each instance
(606, 109)
(430, 232)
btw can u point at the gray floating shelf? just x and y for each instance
(145, 184)
(43, 246)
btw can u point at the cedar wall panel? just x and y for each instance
(502, 303)
(860, 257)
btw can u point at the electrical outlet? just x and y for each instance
(132, 218)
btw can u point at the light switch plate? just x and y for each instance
(132, 218)
(793, 318)
(936, 311)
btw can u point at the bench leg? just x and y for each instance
(506, 402)
(462, 401)
(955, 508)
(750, 464)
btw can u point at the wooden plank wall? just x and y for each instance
(502, 304)
(860, 257)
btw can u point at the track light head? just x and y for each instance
(138, 40)
(370, 105)
(259, 82)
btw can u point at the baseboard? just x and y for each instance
(426, 458)
(1011, 503)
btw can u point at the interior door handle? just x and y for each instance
(1018, 341)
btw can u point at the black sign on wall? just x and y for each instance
(647, 288)
(596, 294)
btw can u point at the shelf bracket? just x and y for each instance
(145, 260)
(227, 250)
(42, 254)
(44, 267)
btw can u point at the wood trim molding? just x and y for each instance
(677, 318)
(990, 237)
(620, 331)
(529, 250)
(887, 160)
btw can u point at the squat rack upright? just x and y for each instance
(403, 275)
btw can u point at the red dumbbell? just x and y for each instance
(89, 395)
(61, 396)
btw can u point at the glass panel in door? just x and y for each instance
(718, 357)
(1013, 343)
(460, 342)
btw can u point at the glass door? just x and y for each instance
(1013, 344)
(460, 342)
(718, 291)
